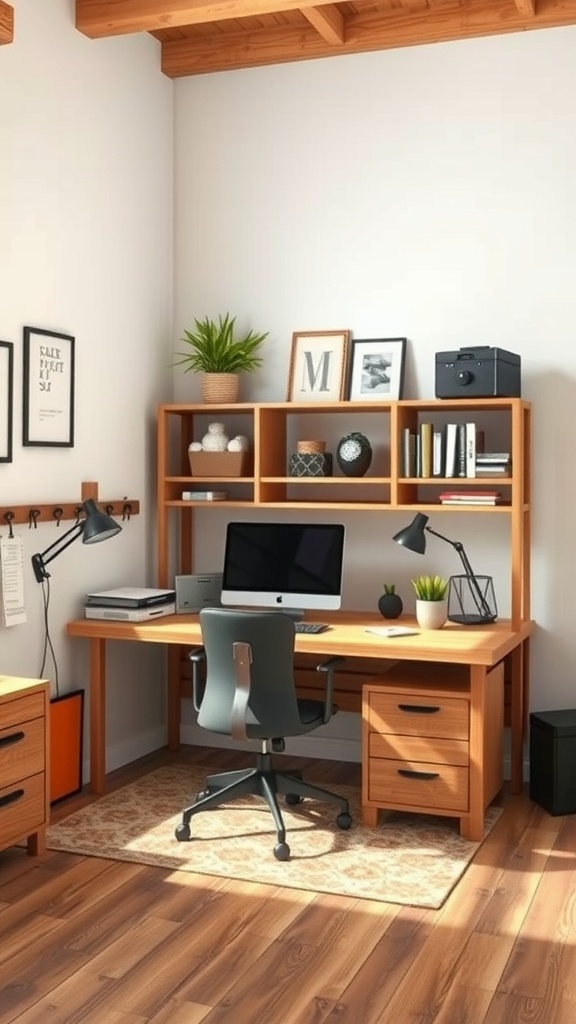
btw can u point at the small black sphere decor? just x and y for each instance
(390, 603)
(354, 454)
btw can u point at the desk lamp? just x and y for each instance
(471, 599)
(96, 526)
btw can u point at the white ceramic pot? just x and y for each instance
(431, 614)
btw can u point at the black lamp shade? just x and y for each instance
(97, 525)
(413, 536)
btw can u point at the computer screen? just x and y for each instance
(286, 566)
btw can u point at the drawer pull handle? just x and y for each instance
(14, 737)
(419, 709)
(408, 774)
(10, 798)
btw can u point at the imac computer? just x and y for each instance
(289, 567)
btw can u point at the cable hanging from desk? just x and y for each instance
(36, 514)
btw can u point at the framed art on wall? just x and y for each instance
(318, 366)
(376, 369)
(48, 394)
(6, 395)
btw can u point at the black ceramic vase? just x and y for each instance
(354, 454)
(390, 606)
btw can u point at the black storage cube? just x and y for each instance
(553, 760)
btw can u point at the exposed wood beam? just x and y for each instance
(327, 21)
(6, 23)
(364, 32)
(100, 18)
(526, 7)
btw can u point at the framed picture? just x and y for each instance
(318, 366)
(48, 395)
(6, 395)
(376, 369)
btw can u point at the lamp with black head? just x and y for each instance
(471, 598)
(94, 527)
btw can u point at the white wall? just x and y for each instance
(86, 248)
(426, 193)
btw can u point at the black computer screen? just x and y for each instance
(278, 564)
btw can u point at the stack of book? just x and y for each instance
(470, 497)
(493, 464)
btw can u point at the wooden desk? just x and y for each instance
(480, 648)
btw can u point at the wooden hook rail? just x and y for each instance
(38, 514)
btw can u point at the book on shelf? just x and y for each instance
(408, 453)
(437, 453)
(470, 497)
(488, 458)
(470, 461)
(450, 449)
(204, 495)
(493, 469)
(425, 467)
(460, 450)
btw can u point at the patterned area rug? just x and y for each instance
(409, 859)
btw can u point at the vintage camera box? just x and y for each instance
(478, 372)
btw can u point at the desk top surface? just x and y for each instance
(478, 645)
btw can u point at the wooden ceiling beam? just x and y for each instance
(328, 22)
(101, 18)
(6, 23)
(363, 32)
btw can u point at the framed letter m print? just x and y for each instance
(318, 366)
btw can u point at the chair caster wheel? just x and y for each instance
(182, 833)
(282, 851)
(293, 798)
(344, 820)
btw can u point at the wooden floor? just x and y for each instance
(99, 942)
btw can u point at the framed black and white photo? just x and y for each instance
(318, 366)
(376, 369)
(48, 396)
(6, 398)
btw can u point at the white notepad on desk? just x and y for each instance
(392, 631)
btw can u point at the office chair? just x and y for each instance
(249, 693)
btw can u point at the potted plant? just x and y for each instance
(431, 601)
(390, 603)
(215, 351)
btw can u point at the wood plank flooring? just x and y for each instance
(100, 942)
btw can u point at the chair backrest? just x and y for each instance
(273, 708)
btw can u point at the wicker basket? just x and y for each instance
(220, 388)
(310, 447)
(210, 464)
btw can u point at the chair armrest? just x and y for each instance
(328, 667)
(197, 656)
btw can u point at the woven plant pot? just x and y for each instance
(220, 388)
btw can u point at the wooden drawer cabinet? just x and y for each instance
(417, 723)
(24, 799)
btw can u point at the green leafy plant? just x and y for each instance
(430, 588)
(213, 348)
(389, 588)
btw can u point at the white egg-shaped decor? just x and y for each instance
(240, 443)
(195, 446)
(216, 440)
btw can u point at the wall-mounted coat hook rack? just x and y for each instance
(36, 513)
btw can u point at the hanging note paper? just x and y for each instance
(12, 610)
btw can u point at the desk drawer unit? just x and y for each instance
(418, 750)
(23, 762)
(417, 724)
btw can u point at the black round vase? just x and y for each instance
(390, 606)
(354, 454)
